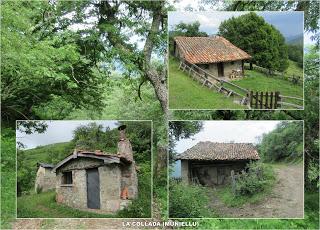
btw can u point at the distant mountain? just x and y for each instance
(295, 40)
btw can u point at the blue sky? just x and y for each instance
(289, 23)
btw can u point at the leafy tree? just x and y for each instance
(295, 53)
(180, 130)
(261, 40)
(36, 68)
(285, 143)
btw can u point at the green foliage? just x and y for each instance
(8, 177)
(295, 53)
(257, 178)
(187, 201)
(38, 68)
(285, 143)
(27, 163)
(261, 40)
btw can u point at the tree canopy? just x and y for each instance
(261, 40)
(285, 143)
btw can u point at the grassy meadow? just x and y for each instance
(43, 205)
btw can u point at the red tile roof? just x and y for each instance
(197, 50)
(220, 151)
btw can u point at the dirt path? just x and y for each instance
(285, 200)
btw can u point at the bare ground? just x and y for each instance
(285, 200)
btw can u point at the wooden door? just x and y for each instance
(93, 188)
(220, 69)
(221, 175)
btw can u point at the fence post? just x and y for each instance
(257, 96)
(251, 99)
(266, 102)
(271, 98)
(261, 100)
(277, 98)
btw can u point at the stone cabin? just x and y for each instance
(214, 54)
(97, 180)
(210, 163)
(45, 178)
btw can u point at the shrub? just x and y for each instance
(187, 201)
(255, 179)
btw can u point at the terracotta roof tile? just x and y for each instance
(197, 50)
(220, 151)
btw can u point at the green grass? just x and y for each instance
(294, 69)
(43, 205)
(184, 93)
(257, 81)
(229, 199)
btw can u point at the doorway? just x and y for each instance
(93, 188)
(220, 69)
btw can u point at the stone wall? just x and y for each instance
(129, 180)
(45, 179)
(74, 195)
(110, 182)
(229, 66)
(110, 177)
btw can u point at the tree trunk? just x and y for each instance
(251, 66)
(161, 160)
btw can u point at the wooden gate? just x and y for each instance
(93, 188)
(267, 100)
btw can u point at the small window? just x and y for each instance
(67, 178)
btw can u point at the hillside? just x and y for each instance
(52, 153)
(27, 162)
(295, 40)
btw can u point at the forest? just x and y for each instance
(107, 60)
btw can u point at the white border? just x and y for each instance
(213, 11)
(236, 218)
(95, 218)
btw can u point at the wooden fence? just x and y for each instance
(209, 80)
(273, 100)
(267, 100)
(176, 180)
